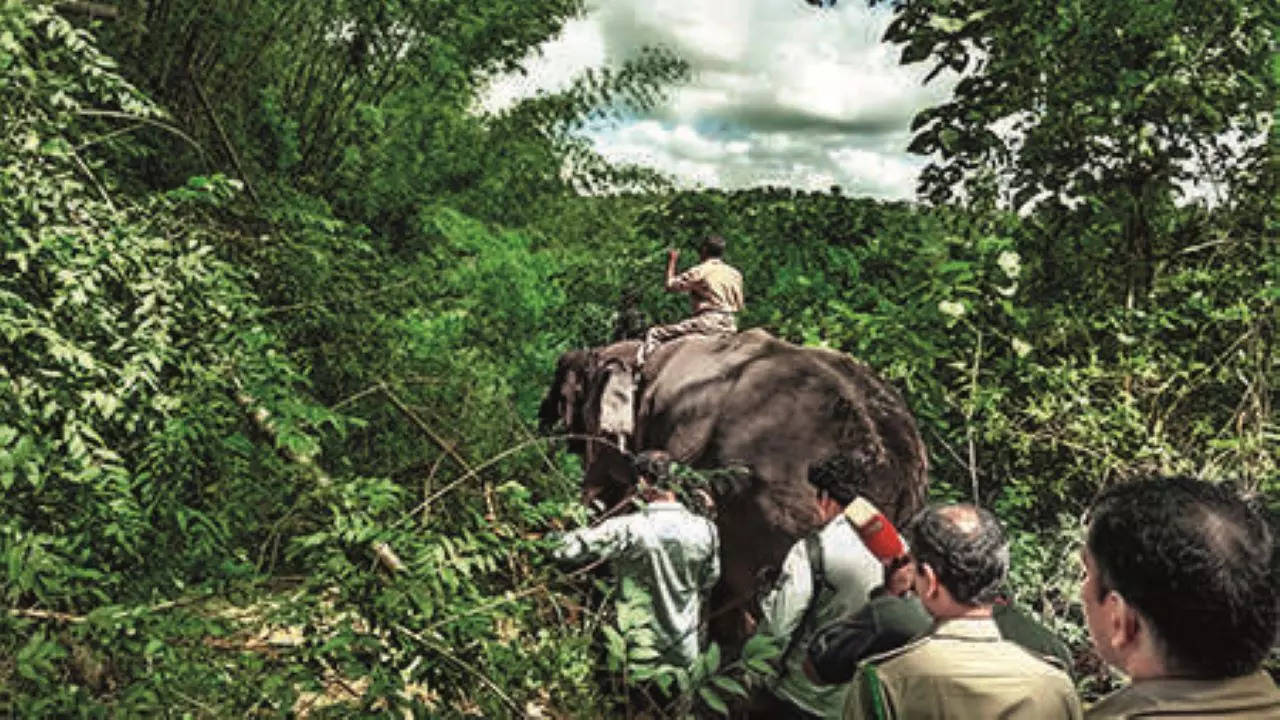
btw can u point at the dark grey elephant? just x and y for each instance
(751, 401)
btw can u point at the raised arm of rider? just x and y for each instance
(673, 256)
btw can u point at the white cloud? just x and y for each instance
(579, 46)
(782, 93)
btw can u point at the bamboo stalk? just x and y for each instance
(94, 10)
(226, 142)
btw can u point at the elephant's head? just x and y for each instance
(567, 397)
(587, 385)
(591, 396)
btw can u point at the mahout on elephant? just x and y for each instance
(747, 401)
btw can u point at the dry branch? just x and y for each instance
(444, 652)
(413, 417)
(116, 114)
(35, 614)
(71, 618)
(495, 460)
(388, 557)
(261, 419)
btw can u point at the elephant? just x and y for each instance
(747, 401)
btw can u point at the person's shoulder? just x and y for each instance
(677, 514)
(943, 651)
(1121, 704)
(700, 268)
(899, 657)
(1030, 662)
(904, 613)
(839, 529)
(705, 525)
(719, 265)
(1248, 697)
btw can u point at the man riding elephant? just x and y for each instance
(715, 293)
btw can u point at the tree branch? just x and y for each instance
(90, 112)
(443, 652)
(260, 417)
(226, 142)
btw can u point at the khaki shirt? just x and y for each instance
(889, 622)
(712, 285)
(1250, 697)
(963, 669)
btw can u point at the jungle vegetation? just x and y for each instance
(278, 303)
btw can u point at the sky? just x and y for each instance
(781, 93)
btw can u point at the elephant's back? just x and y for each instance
(754, 400)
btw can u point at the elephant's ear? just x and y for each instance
(594, 377)
(575, 391)
(549, 409)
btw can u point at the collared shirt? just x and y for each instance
(670, 552)
(889, 622)
(850, 572)
(962, 669)
(1249, 697)
(712, 284)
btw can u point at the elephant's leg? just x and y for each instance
(608, 477)
(732, 604)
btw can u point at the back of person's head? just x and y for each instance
(653, 472)
(1195, 561)
(837, 477)
(965, 546)
(713, 246)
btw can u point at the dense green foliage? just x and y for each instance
(222, 396)
(1176, 96)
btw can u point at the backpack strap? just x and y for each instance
(817, 567)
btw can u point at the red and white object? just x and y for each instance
(877, 533)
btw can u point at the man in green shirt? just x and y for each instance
(669, 552)
(826, 575)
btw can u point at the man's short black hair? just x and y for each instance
(654, 466)
(837, 476)
(965, 546)
(1195, 560)
(713, 246)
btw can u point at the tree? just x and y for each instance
(1095, 115)
(284, 87)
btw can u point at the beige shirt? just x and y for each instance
(712, 284)
(1250, 697)
(962, 670)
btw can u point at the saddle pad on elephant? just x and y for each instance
(617, 402)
